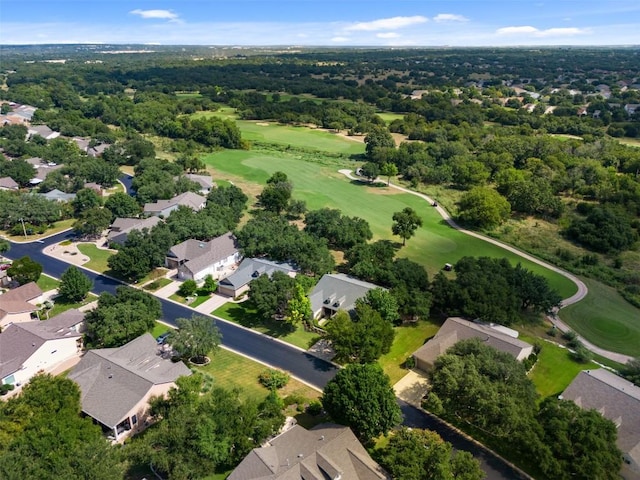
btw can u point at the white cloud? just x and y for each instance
(160, 14)
(550, 32)
(387, 35)
(388, 23)
(340, 39)
(449, 17)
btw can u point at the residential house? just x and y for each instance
(618, 400)
(42, 130)
(336, 291)
(30, 347)
(17, 304)
(43, 169)
(165, 207)
(194, 259)
(56, 195)
(205, 181)
(8, 183)
(632, 108)
(327, 451)
(121, 227)
(24, 111)
(249, 269)
(95, 187)
(456, 329)
(117, 383)
(84, 145)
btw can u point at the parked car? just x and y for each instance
(162, 338)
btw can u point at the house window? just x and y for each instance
(134, 419)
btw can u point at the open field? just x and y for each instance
(434, 244)
(605, 319)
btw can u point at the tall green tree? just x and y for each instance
(92, 222)
(24, 270)
(361, 397)
(405, 223)
(5, 246)
(122, 205)
(74, 285)
(483, 207)
(389, 170)
(415, 454)
(195, 338)
(276, 194)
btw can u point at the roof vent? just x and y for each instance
(300, 455)
(110, 376)
(201, 245)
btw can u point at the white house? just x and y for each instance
(336, 291)
(18, 304)
(165, 207)
(248, 270)
(30, 347)
(194, 259)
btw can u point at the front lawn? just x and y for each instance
(407, 340)
(157, 284)
(60, 304)
(46, 283)
(243, 314)
(98, 257)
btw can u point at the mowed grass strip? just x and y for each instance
(407, 340)
(46, 283)
(97, 257)
(606, 319)
(433, 245)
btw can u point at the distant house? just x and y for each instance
(121, 227)
(165, 207)
(95, 187)
(456, 329)
(632, 108)
(84, 145)
(327, 451)
(249, 269)
(56, 195)
(42, 130)
(30, 347)
(205, 181)
(618, 400)
(8, 183)
(117, 383)
(19, 303)
(43, 169)
(336, 291)
(195, 259)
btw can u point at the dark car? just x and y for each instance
(162, 338)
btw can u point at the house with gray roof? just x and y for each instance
(205, 181)
(195, 259)
(43, 169)
(249, 269)
(19, 303)
(618, 400)
(327, 451)
(8, 183)
(121, 227)
(337, 291)
(30, 347)
(117, 383)
(456, 329)
(165, 207)
(42, 130)
(56, 195)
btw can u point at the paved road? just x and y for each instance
(265, 349)
(553, 318)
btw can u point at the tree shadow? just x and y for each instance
(251, 319)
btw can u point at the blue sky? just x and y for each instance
(322, 22)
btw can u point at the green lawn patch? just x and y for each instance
(159, 329)
(157, 284)
(555, 369)
(389, 117)
(407, 340)
(62, 305)
(46, 283)
(320, 185)
(606, 319)
(97, 257)
(243, 314)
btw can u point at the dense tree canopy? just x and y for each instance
(74, 285)
(483, 208)
(361, 397)
(340, 231)
(24, 270)
(195, 338)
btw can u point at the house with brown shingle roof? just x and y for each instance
(165, 207)
(327, 451)
(618, 400)
(205, 181)
(195, 259)
(456, 329)
(19, 303)
(8, 183)
(121, 227)
(30, 347)
(116, 384)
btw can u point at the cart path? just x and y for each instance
(553, 317)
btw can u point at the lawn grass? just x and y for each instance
(606, 319)
(320, 185)
(159, 329)
(389, 117)
(57, 227)
(199, 300)
(157, 284)
(407, 340)
(243, 314)
(46, 283)
(97, 257)
(61, 305)
(554, 370)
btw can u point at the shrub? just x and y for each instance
(410, 362)
(314, 408)
(188, 288)
(273, 379)
(294, 399)
(581, 354)
(569, 335)
(6, 388)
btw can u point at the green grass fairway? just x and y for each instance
(605, 319)
(407, 340)
(555, 369)
(98, 257)
(300, 137)
(434, 244)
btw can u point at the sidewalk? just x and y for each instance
(215, 302)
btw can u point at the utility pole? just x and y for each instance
(23, 228)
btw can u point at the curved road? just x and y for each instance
(576, 297)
